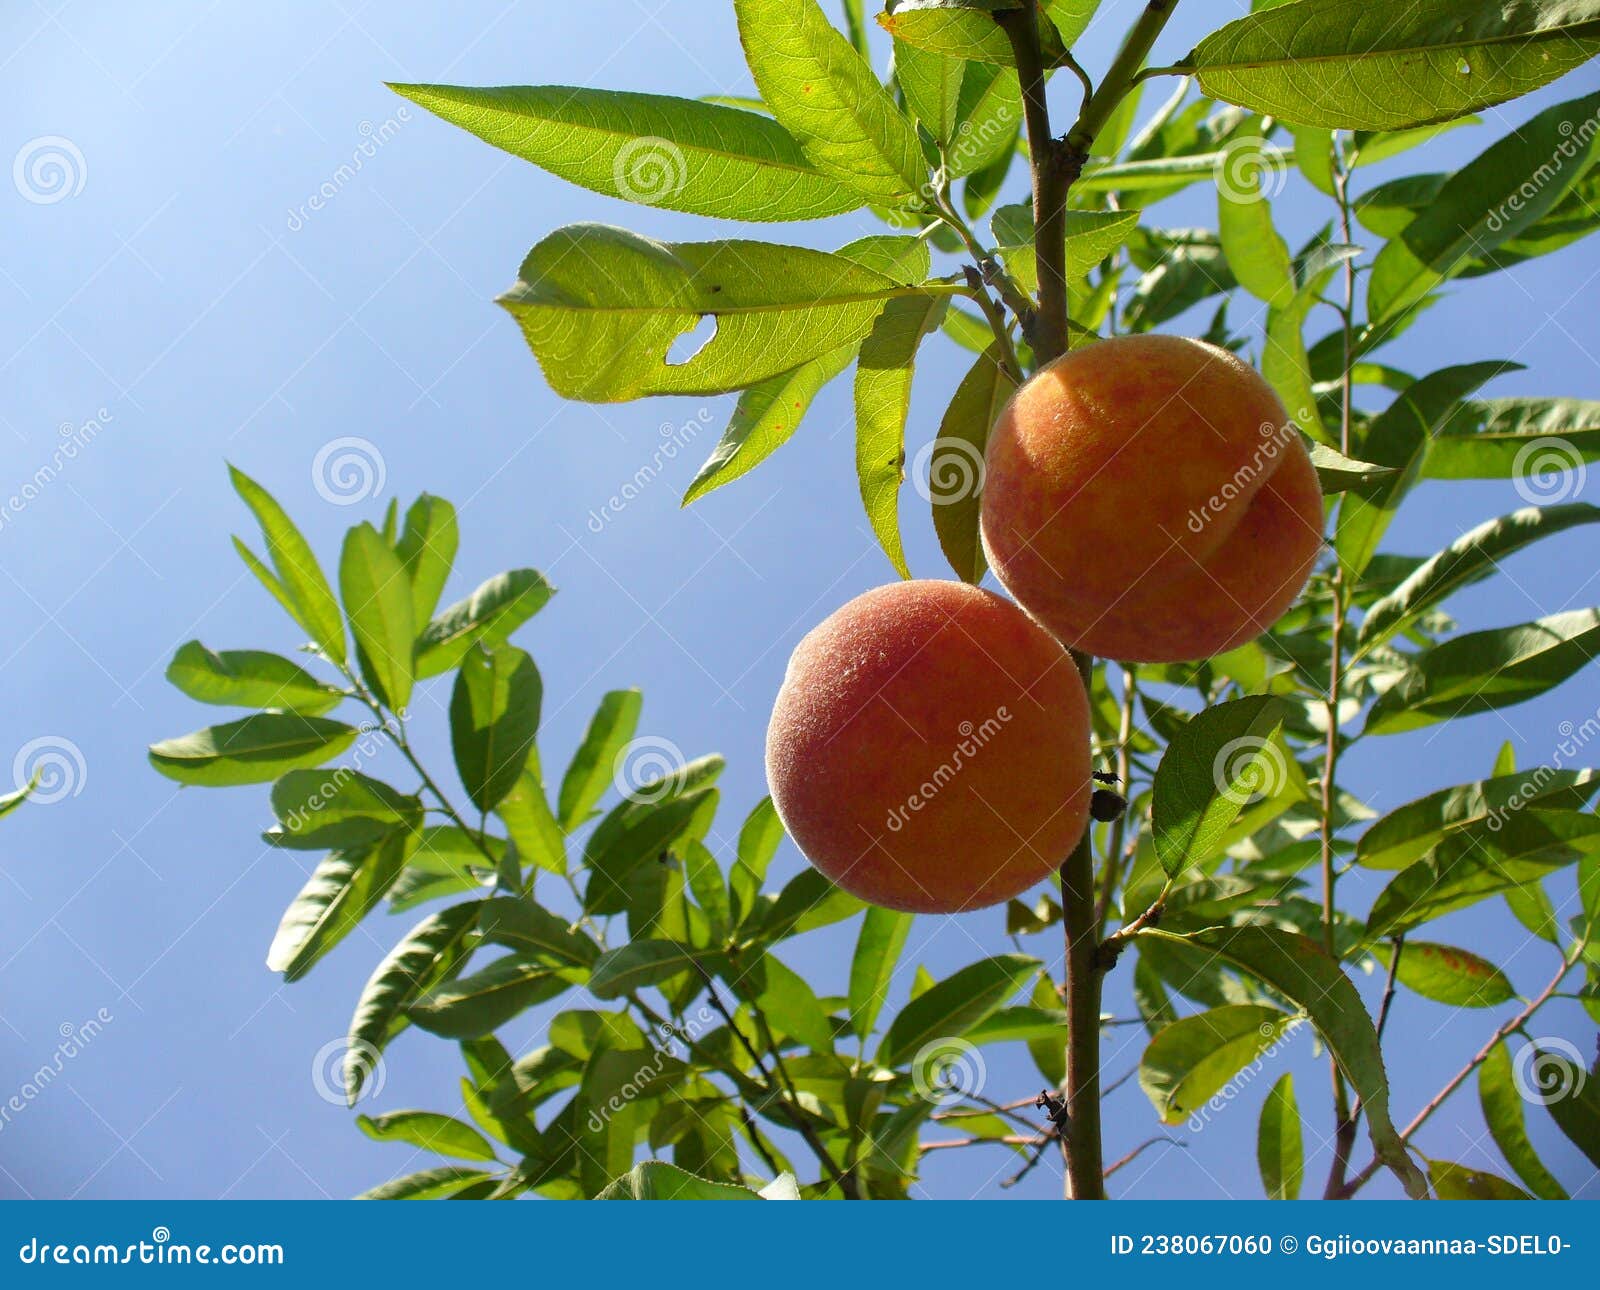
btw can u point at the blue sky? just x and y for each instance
(188, 302)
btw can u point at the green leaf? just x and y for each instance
(494, 716)
(967, 29)
(427, 548)
(318, 809)
(988, 115)
(784, 999)
(1400, 437)
(952, 1007)
(601, 309)
(1482, 671)
(1473, 556)
(428, 1184)
(764, 419)
(10, 801)
(593, 766)
(1458, 1182)
(340, 893)
(638, 964)
(1491, 199)
(533, 827)
(1280, 1142)
(1472, 864)
(1373, 146)
(249, 678)
(931, 84)
(1411, 830)
(657, 1180)
(955, 470)
(884, 370)
(471, 1006)
(759, 837)
(252, 750)
(1512, 438)
(1219, 760)
(488, 617)
(1572, 1096)
(300, 585)
(1301, 972)
(1501, 1101)
(1350, 65)
(431, 950)
(636, 832)
(521, 923)
(825, 95)
(1337, 473)
(679, 154)
(1257, 253)
(1284, 360)
(430, 1131)
(710, 891)
(1193, 1059)
(882, 937)
(377, 597)
(1446, 974)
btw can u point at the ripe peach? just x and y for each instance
(1148, 499)
(929, 748)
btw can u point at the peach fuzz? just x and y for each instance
(1148, 499)
(929, 748)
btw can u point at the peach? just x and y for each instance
(929, 748)
(1148, 499)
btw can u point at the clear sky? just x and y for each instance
(188, 302)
